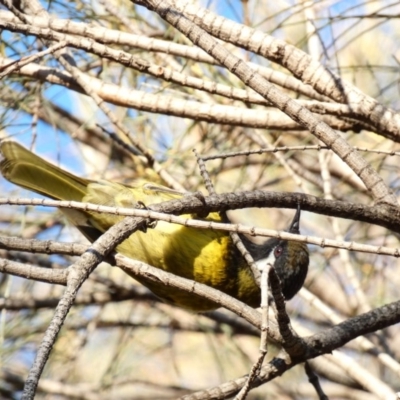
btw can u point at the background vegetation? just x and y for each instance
(80, 77)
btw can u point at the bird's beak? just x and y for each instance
(295, 225)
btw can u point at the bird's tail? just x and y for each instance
(26, 169)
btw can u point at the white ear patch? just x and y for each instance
(264, 262)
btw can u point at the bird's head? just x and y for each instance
(290, 259)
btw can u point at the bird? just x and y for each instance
(206, 256)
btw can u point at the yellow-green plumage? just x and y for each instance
(206, 256)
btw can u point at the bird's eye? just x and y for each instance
(278, 251)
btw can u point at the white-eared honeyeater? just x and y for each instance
(206, 256)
